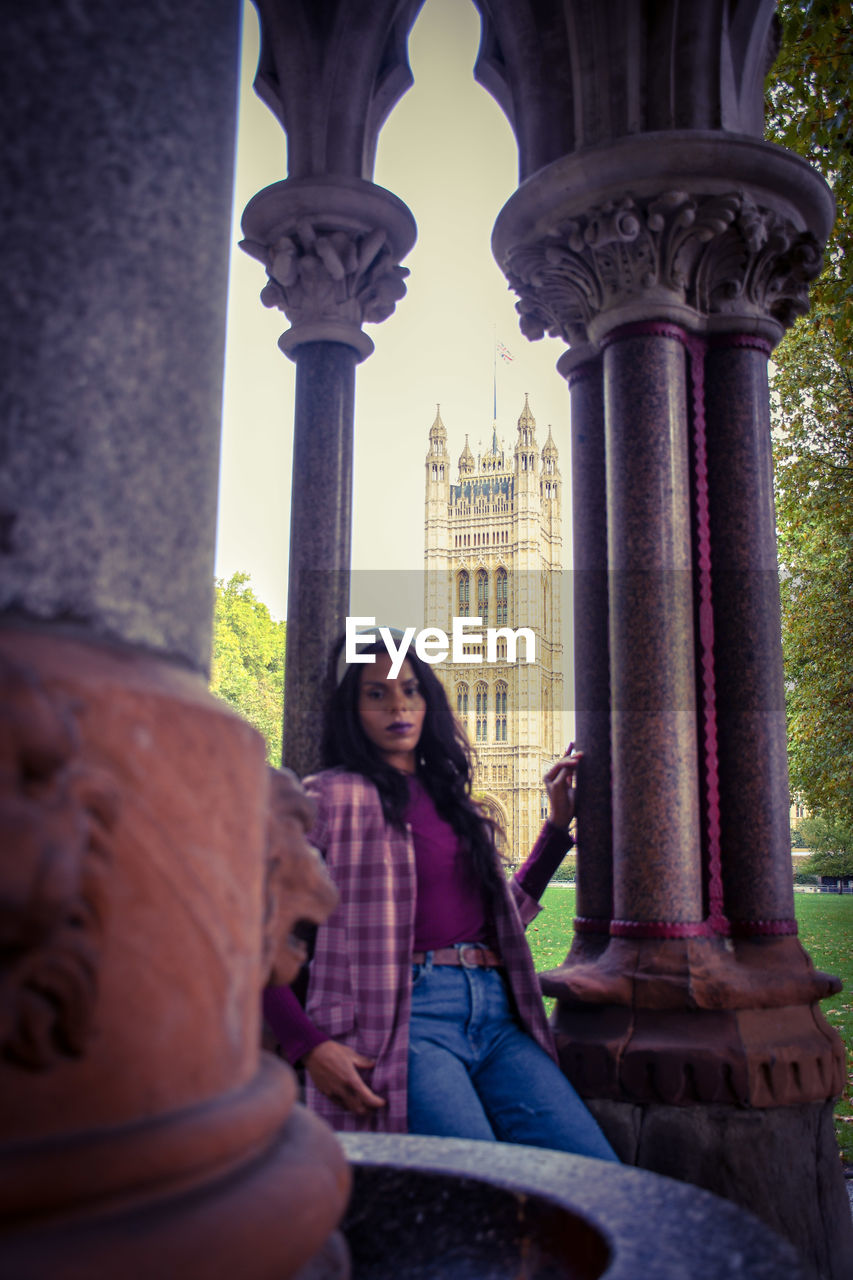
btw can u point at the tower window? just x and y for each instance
(463, 594)
(502, 605)
(483, 595)
(482, 703)
(500, 711)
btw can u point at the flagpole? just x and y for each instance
(506, 355)
(495, 373)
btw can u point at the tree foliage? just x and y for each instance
(809, 111)
(247, 669)
(832, 841)
(804, 878)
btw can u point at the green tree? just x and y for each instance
(808, 97)
(814, 497)
(832, 841)
(809, 111)
(247, 669)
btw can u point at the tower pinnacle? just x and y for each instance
(437, 435)
(466, 459)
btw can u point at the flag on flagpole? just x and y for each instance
(504, 353)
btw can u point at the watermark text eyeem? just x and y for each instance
(433, 645)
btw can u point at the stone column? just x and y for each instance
(751, 733)
(332, 242)
(657, 879)
(697, 1032)
(332, 250)
(320, 536)
(591, 652)
(142, 1131)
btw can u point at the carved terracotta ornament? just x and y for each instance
(718, 254)
(298, 887)
(56, 820)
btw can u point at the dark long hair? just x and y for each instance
(444, 764)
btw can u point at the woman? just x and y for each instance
(423, 1010)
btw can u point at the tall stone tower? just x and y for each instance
(493, 551)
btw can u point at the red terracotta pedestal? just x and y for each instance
(143, 1131)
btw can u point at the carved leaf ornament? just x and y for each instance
(346, 276)
(718, 254)
(56, 819)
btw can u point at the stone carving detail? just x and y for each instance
(317, 274)
(717, 254)
(298, 890)
(56, 822)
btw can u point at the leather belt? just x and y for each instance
(473, 955)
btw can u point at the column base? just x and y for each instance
(259, 1221)
(781, 1164)
(709, 1060)
(697, 1020)
(688, 972)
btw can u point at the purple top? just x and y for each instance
(449, 908)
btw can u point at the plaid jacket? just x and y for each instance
(359, 988)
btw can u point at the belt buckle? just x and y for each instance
(472, 946)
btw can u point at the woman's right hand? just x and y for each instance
(560, 785)
(334, 1069)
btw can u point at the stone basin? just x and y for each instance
(448, 1209)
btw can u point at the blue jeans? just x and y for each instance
(475, 1073)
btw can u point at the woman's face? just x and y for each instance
(392, 711)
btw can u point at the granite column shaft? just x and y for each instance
(115, 192)
(591, 658)
(657, 875)
(320, 538)
(750, 696)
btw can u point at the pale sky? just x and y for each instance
(448, 152)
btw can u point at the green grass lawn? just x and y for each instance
(826, 931)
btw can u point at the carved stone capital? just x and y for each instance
(332, 250)
(704, 258)
(726, 235)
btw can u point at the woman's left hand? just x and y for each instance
(560, 785)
